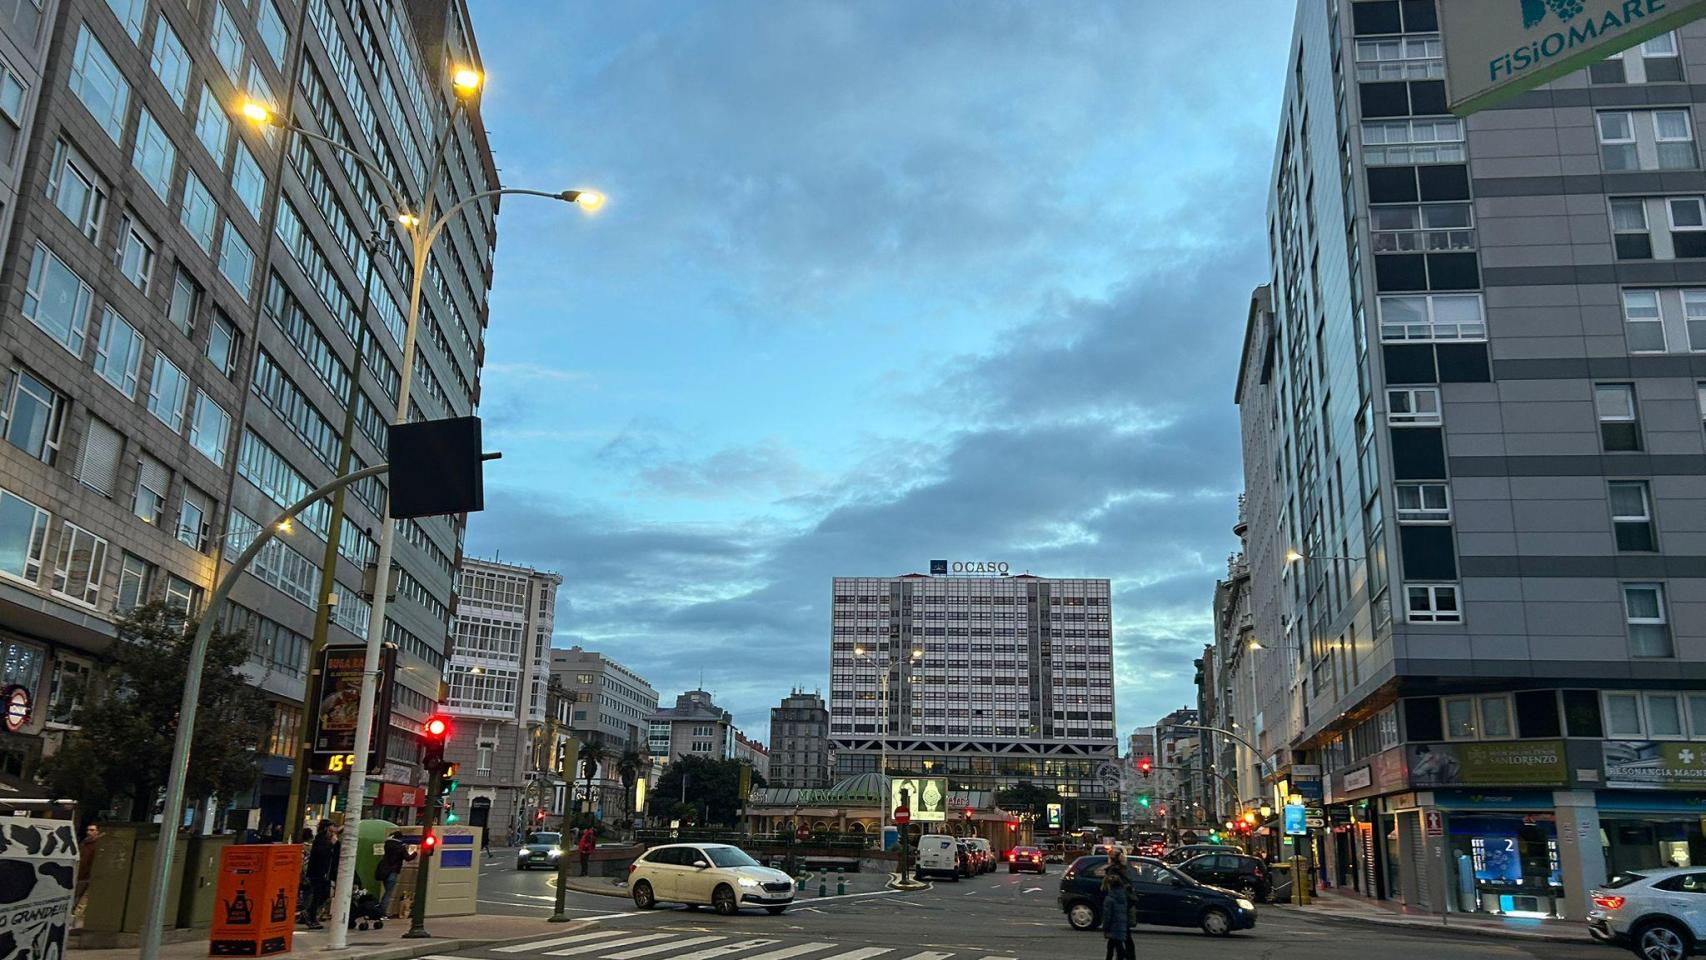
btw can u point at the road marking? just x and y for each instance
(864, 953)
(969, 893)
(1030, 890)
(1000, 958)
(625, 941)
(928, 955)
(736, 947)
(556, 942)
(648, 951)
(793, 951)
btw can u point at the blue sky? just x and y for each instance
(877, 282)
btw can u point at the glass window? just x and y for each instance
(1632, 515)
(171, 63)
(210, 427)
(167, 393)
(247, 180)
(237, 261)
(1674, 133)
(1432, 317)
(33, 416)
(270, 25)
(97, 82)
(152, 482)
(222, 345)
(155, 155)
(136, 256)
(1649, 632)
(130, 13)
(1424, 502)
(1617, 141)
(227, 42)
(12, 91)
(118, 354)
(198, 213)
(1623, 715)
(185, 303)
(1697, 715)
(76, 190)
(1664, 715)
(1643, 321)
(57, 300)
(1619, 425)
(192, 518)
(1629, 215)
(134, 575)
(1460, 718)
(1413, 406)
(212, 125)
(1663, 45)
(1433, 603)
(183, 596)
(26, 17)
(23, 537)
(102, 449)
(82, 560)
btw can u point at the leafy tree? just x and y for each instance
(122, 748)
(1027, 797)
(630, 766)
(592, 756)
(712, 785)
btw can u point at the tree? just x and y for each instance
(122, 747)
(711, 785)
(629, 767)
(1027, 797)
(592, 756)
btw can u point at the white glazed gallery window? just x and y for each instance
(1624, 718)
(82, 561)
(57, 300)
(1424, 502)
(23, 537)
(118, 353)
(1413, 406)
(1432, 603)
(1437, 316)
(77, 190)
(1649, 629)
(97, 82)
(1646, 140)
(1405, 142)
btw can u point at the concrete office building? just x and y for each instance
(753, 754)
(498, 677)
(986, 680)
(173, 376)
(695, 726)
(799, 742)
(613, 707)
(1471, 406)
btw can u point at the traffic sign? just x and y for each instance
(1315, 823)
(902, 816)
(1436, 824)
(804, 833)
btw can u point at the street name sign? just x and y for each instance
(1496, 49)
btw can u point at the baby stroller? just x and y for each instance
(364, 912)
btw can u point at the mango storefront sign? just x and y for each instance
(1496, 49)
(1514, 763)
(1654, 765)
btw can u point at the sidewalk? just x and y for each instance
(1354, 908)
(449, 934)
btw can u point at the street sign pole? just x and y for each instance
(903, 820)
(417, 911)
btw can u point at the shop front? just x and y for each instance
(1653, 812)
(1502, 855)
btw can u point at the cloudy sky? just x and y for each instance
(878, 282)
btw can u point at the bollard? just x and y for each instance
(822, 882)
(840, 883)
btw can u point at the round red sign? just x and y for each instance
(902, 816)
(804, 833)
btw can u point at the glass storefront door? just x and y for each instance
(1505, 863)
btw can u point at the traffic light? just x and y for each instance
(539, 817)
(429, 842)
(1163, 811)
(1145, 766)
(968, 813)
(1143, 799)
(449, 782)
(1012, 825)
(434, 733)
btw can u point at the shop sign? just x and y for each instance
(1654, 765)
(1309, 790)
(1514, 763)
(926, 797)
(1338, 816)
(1360, 779)
(1054, 816)
(1435, 823)
(1493, 799)
(16, 700)
(981, 568)
(401, 795)
(1296, 822)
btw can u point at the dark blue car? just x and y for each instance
(1161, 896)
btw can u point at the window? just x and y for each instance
(185, 303)
(1619, 425)
(1460, 718)
(1694, 318)
(12, 92)
(1632, 515)
(1423, 228)
(210, 427)
(237, 261)
(1400, 58)
(1424, 502)
(222, 345)
(26, 16)
(152, 482)
(1643, 322)
(1623, 716)
(1649, 632)
(69, 681)
(154, 155)
(33, 416)
(57, 300)
(1495, 718)
(1433, 603)
(212, 126)
(1659, 59)
(1617, 142)
(136, 254)
(118, 354)
(270, 25)
(183, 596)
(1629, 230)
(131, 14)
(1413, 406)
(193, 515)
(1674, 133)
(98, 84)
(227, 43)
(1664, 716)
(23, 537)
(75, 189)
(171, 63)
(82, 560)
(102, 448)
(1646, 140)
(1402, 142)
(1436, 316)
(198, 212)
(247, 180)
(167, 393)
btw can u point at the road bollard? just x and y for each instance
(822, 882)
(840, 883)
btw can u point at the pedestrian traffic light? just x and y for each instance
(429, 842)
(1163, 811)
(539, 817)
(1143, 799)
(434, 733)
(1145, 766)
(1012, 825)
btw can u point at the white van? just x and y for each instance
(938, 856)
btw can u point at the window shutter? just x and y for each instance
(102, 446)
(154, 475)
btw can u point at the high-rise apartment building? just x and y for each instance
(612, 707)
(799, 742)
(987, 680)
(695, 726)
(184, 330)
(1472, 419)
(498, 676)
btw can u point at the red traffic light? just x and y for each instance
(1012, 824)
(1145, 765)
(968, 813)
(540, 815)
(429, 842)
(437, 727)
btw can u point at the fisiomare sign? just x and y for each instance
(1499, 48)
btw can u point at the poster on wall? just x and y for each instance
(338, 698)
(926, 797)
(38, 866)
(1654, 765)
(1515, 763)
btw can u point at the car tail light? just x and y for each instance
(633, 866)
(1608, 901)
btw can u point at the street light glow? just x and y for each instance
(588, 200)
(467, 81)
(1292, 556)
(256, 111)
(408, 220)
(285, 526)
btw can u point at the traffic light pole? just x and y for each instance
(429, 848)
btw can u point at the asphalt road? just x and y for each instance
(998, 917)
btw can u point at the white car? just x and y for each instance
(713, 874)
(939, 856)
(1660, 914)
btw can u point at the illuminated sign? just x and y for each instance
(17, 707)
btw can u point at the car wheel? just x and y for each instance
(774, 911)
(1082, 916)
(1250, 892)
(643, 898)
(1012, 869)
(521, 866)
(1663, 940)
(723, 899)
(1216, 922)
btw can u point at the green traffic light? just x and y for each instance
(1143, 800)
(451, 817)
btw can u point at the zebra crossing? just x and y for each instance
(615, 944)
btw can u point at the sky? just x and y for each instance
(878, 282)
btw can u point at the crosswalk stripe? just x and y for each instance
(737, 947)
(793, 951)
(556, 942)
(998, 958)
(659, 948)
(626, 941)
(864, 953)
(928, 955)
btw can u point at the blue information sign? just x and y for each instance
(1296, 821)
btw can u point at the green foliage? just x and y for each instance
(1027, 797)
(122, 748)
(630, 767)
(713, 786)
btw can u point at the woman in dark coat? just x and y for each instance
(1116, 909)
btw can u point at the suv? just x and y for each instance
(983, 855)
(1179, 855)
(1660, 914)
(707, 873)
(1231, 871)
(1161, 896)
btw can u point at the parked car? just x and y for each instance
(1231, 871)
(938, 856)
(1192, 850)
(540, 847)
(1660, 914)
(963, 855)
(1161, 896)
(984, 854)
(713, 874)
(1026, 859)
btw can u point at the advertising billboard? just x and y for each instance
(1654, 765)
(926, 797)
(337, 696)
(1514, 763)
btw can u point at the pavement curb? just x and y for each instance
(1466, 932)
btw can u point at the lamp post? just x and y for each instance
(421, 223)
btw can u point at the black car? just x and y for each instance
(1161, 896)
(1189, 851)
(1231, 871)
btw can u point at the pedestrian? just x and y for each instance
(322, 862)
(390, 869)
(486, 842)
(1116, 909)
(587, 843)
(85, 865)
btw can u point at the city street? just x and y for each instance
(999, 916)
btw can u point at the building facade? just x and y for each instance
(1472, 421)
(613, 707)
(987, 681)
(753, 754)
(498, 676)
(184, 333)
(799, 742)
(695, 726)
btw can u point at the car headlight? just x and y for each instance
(554, 852)
(749, 882)
(1244, 904)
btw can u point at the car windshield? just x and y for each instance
(1623, 880)
(544, 839)
(730, 857)
(1154, 871)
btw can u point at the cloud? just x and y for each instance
(510, 373)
